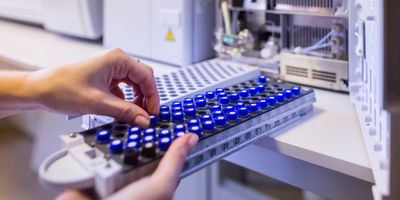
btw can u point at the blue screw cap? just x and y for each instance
(164, 133)
(215, 107)
(190, 112)
(116, 146)
(262, 79)
(176, 109)
(204, 118)
(221, 94)
(149, 131)
(199, 96)
(240, 104)
(201, 103)
(217, 113)
(252, 91)
(164, 108)
(178, 134)
(280, 97)
(223, 100)
(260, 88)
(243, 112)
(177, 117)
(263, 103)
(271, 100)
(176, 103)
(132, 145)
(244, 93)
(189, 105)
(148, 138)
(164, 143)
(196, 130)
(193, 122)
(134, 130)
(208, 125)
(165, 116)
(210, 95)
(188, 100)
(220, 121)
(153, 120)
(219, 90)
(103, 136)
(134, 137)
(296, 90)
(233, 97)
(232, 116)
(253, 107)
(179, 128)
(229, 109)
(288, 94)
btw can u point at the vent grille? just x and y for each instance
(305, 36)
(297, 71)
(323, 76)
(307, 3)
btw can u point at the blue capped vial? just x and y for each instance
(201, 103)
(133, 137)
(288, 94)
(176, 103)
(132, 145)
(240, 104)
(243, 112)
(153, 120)
(165, 116)
(296, 90)
(178, 134)
(164, 108)
(177, 117)
(220, 121)
(263, 103)
(103, 136)
(260, 88)
(188, 100)
(224, 100)
(280, 97)
(179, 128)
(164, 143)
(221, 94)
(196, 130)
(219, 90)
(233, 97)
(193, 122)
(244, 93)
(148, 138)
(190, 112)
(164, 133)
(252, 91)
(229, 109)
(262, 79)
(199, 96)
(208, 125)
(217, 113)
(176, 109)
(205, 118)
(253, 107)
(134, 130)
(116, 146)
(232, 116)
(149, 131)
(210, 95)
(215, 107)
(271, 100)
(189, 105)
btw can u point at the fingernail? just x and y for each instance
(142, 121)
(193, 140)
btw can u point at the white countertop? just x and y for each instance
(330, 137)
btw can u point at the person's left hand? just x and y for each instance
(91, 87)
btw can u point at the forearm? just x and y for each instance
(17, 93)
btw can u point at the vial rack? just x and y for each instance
(186, 82)
(226, 119)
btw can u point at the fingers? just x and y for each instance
(68, 195)
(142, 75)
(167, 172)
(124, 111)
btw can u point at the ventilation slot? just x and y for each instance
(307, 3)
(296, 71)
(324, 76)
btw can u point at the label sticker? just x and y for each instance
(170, 36)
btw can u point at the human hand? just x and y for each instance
(91, 87)
(161, 184)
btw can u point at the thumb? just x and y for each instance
(124, 111)
(170, 167)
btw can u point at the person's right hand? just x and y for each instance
(161, 184)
